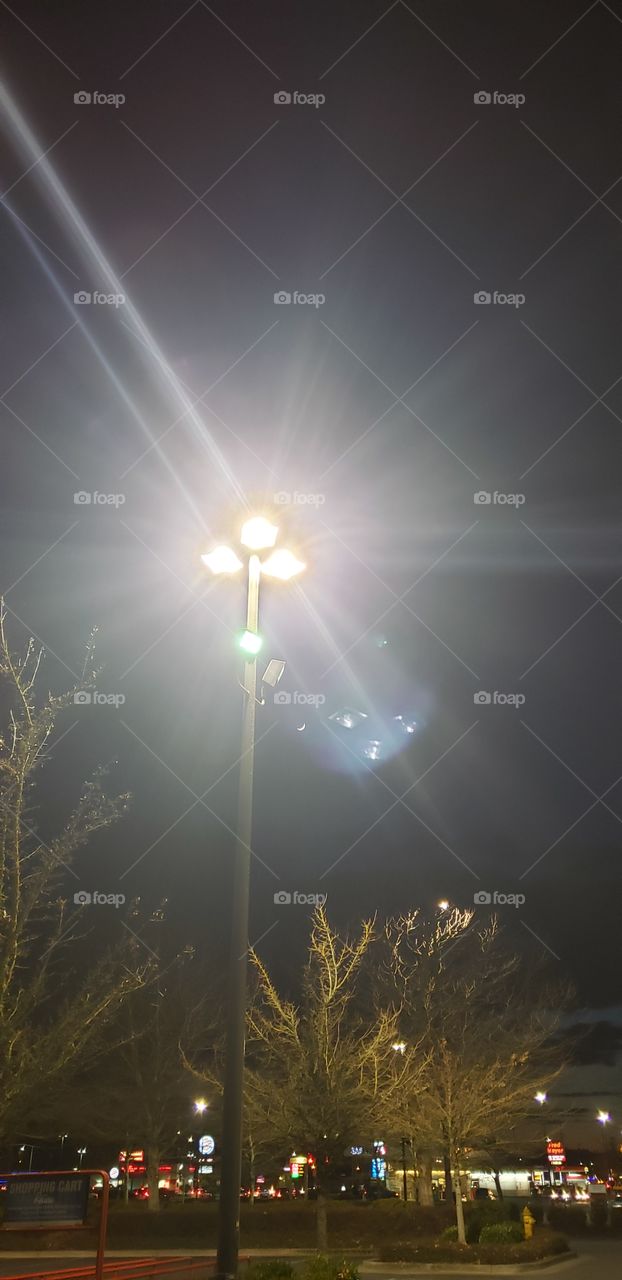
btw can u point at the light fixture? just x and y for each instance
(399, 1046)
(443, 905)
(200, 1106)
(250, 642)
(222, 560)
(258, 534)
(540, 1097)
(603, 1117)
(282, 564)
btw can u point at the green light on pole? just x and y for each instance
(250, 642)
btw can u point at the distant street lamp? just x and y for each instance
(603, 1118)
(200, 1106)
(443, 905)
(540, 1097)
(399, 1046)
(258, 534)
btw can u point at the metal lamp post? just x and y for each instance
(258, 534)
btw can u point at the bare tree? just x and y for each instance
(51, 1020)
(487, 1034)
(329, 1058)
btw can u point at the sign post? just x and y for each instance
(56, 1201)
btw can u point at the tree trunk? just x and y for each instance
(321, 1222)
(448, 1178)
(153, 1175)
(424, 1179)
(126, 1189)
(458, 1191)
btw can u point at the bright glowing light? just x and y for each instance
(222, 560)
(282, 564)
(443, 905)
(372, 749)
(200, 1106)
(258, 534)
(399, 1046)
(540, 1097)
(408, 726)
(250, 642)
(348, 719)
(603, 1117)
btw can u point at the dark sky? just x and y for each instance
(388, 406)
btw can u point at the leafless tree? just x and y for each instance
(51, 1018)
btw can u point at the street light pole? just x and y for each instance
(257, 534)
(231, 1165)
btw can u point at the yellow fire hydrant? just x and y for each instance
(528, 1222)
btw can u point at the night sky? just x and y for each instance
(366, 418)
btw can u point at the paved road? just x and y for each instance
(596, 1260)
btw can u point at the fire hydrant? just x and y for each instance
(528, 1222)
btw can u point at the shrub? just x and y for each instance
(271, 1269)
(544, 1244)
(450, 1233)
(501, 1233)
(322, 1268)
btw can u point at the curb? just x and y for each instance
(464, 1269)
